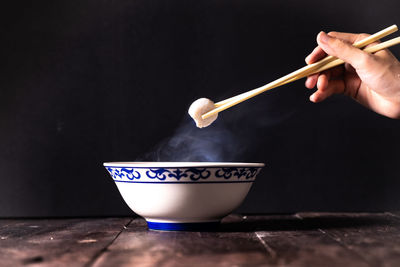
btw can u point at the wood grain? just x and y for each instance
(303, 239)
(374, 237)
(294, 243)
(138, 247)
(56, 242)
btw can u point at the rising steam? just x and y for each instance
(190, 143)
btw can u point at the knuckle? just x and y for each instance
(364, 59)
(364, 35)
(337, 44)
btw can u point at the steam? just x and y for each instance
(235, 137)
(190, 143)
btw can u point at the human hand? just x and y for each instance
(371, 79)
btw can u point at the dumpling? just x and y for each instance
(199, 108)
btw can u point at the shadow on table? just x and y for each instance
(292, 223)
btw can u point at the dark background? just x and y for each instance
(83, 82)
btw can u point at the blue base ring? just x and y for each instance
(205, 226)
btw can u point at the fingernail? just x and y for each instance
(324, 38)
(307, 59)
(312, 98)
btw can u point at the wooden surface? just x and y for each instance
(302, 239)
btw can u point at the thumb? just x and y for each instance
(343, 50)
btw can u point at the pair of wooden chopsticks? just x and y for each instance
(324, 64)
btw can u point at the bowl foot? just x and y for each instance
(202, 226)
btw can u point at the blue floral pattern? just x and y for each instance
(197, 174)
(157, 173)
(227, 173)
(183, 174)
(128, 173)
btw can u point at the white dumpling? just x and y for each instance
(200, 107)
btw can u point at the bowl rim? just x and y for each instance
(154, 164)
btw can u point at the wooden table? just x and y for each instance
(302, 239)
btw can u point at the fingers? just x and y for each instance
(339, 45)
(315, 55)
(343, 50)
(312, 81)
(349, 37)
(328, 89)
(323, 80)
(318, 53)
(326, 86)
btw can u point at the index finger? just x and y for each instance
(318, 53)
(315, 55)
(349, 37)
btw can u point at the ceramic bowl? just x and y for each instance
(183, 195)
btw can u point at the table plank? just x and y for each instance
(304, 239)
(374, 237)
(56, 242)
(294, 243)
(139, 247)
(394, 213)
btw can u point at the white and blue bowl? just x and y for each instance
(183, 196)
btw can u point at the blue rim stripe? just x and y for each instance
(195, 182)
(183, 226)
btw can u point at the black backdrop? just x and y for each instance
(84, 82)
